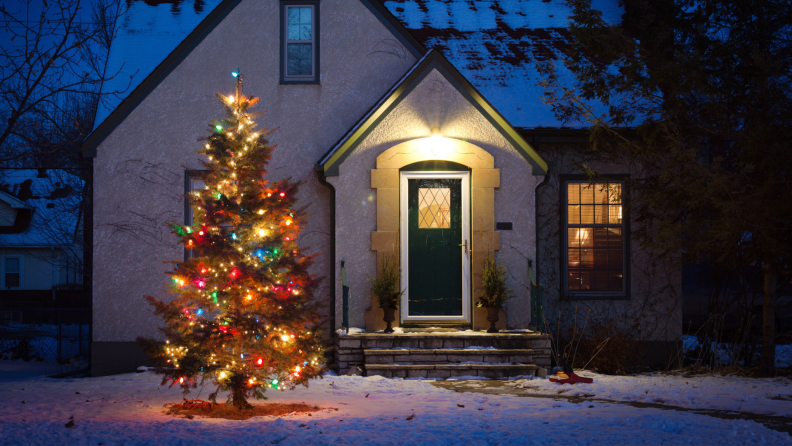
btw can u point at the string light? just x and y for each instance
(232, 255)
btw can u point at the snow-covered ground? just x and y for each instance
(729, 393)
(127, 409)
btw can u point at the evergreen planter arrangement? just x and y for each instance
(495, 293)
(386, 288)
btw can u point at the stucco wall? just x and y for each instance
(433, 103)
(139, 169)
(654, 309)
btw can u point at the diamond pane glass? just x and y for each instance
(434, 208)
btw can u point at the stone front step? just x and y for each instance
(351, 350)
(450, 370)
(444, 340)
(449, 355)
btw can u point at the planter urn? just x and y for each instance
(390, 316)
(492, 318)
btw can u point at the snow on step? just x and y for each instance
(434, 356)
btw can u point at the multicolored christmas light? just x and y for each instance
(244, 316)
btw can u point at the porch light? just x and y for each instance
(436, 132)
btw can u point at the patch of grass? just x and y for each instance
(229, 412)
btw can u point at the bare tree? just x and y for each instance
(53, 57)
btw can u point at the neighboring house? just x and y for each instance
(41, 227)
(384, 111)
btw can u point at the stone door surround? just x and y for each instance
(484, 179)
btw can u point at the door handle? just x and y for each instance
(465, 245)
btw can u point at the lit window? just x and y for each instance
(594, 240)
(300, 52)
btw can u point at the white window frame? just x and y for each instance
(21, 258)
(285, 41)
(465, 252)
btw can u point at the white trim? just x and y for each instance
(404, 229)
(21, 258)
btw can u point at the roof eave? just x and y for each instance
(331, 161)
(151, 81)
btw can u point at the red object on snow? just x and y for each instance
(569, 378)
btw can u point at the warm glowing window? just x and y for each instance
(434, 208)
(594, 238)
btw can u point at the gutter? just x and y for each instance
(323, 180)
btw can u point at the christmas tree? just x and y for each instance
(244, 317)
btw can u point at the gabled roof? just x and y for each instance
(433, 60)
(13, 201)
(496, 45)
(156, 76)
(49, 207)
(147, 30)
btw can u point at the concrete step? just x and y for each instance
(450, 370)
(450, 355)
(444, 340)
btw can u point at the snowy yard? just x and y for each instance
(127, 409)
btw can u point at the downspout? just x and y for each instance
(332, 276)
(536, 218)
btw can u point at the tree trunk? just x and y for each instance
(767, 366)
(238, 399)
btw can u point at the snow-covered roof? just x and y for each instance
(53, 196)
(496, 44)
(147, 32)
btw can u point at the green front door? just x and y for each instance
(435, 257)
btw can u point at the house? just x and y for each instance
(41, 247)
(383, 110)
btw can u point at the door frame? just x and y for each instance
(404, 243)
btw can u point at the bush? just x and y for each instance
(600, 346)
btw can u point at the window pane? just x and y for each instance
(586, 258)
(586, 194)
(587, 215)
(573, 214)
(615, 258)
(573, 279)
(600, 237)
(614, 195)
(574, 258)
(600, 258)
(615, 281)
(586, 281)
(573, 237)
(615, 214)
(585, 237)
(600, 193)
(601, 280)
(12, 280)
(299, 59)
(615, 238)
(300, 23)
(601, 215)
(12, 264)
(573, 193)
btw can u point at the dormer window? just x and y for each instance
(299, 42)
